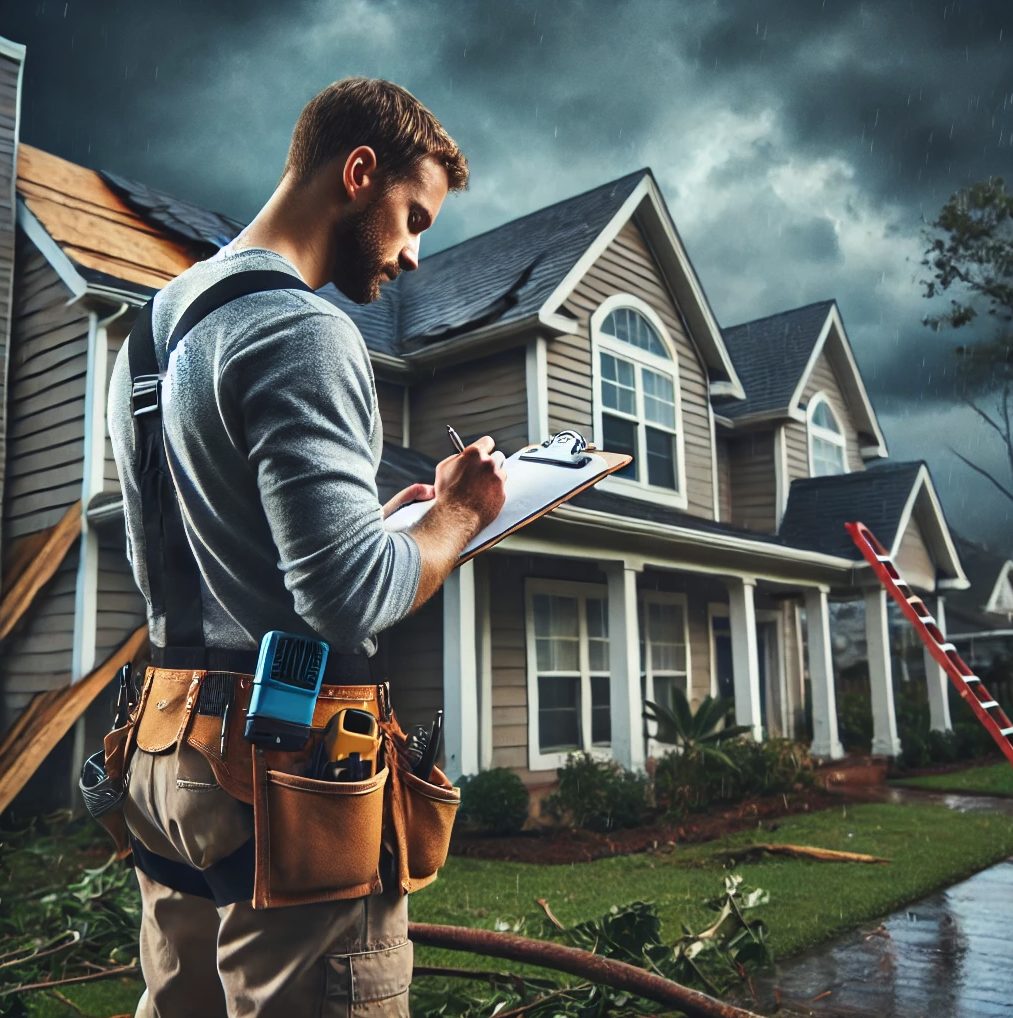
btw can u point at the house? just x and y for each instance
(980, 618)
(707, 566)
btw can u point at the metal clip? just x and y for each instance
(562, 450)
(146, 394)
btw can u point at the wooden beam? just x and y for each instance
(40, 570)
(18, 556)
(51, 715)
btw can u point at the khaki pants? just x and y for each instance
(346, 958)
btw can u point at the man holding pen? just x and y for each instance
(273, 438)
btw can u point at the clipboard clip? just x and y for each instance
(563, 450)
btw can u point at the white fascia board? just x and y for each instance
(923, 482)
(724, 422)
(728, 542)
(471, 344)
(14, 50)
(52, 252)
(720, 388)
(388, 363)
(983, 634)
(1003, 578)
(766, 417)
(834, 327)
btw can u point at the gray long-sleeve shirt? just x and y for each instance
(274, 437)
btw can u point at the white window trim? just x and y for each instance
(537, 760)
(815, 431)
(654, 747)
(778, 674)
(624, 485)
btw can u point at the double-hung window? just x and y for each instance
(568, 670)
(664, 646)
(827, 450)
(638, 407)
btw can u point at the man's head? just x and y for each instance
(377, 165)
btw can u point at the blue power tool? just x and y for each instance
(290, 670)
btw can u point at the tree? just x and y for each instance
(970, 254)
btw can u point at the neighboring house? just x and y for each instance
(707, 567)
(980, 619)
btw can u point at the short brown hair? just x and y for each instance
(377, 113)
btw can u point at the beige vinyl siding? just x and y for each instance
(627, 266)
(9, 72)
(482, 397)
(390, 400)
(120, 608)
(45, 411)
(412, 655)
(823, 379)
(754, 485)
(724, 479)
(37, 656)
(913, 559)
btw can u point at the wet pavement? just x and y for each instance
(947, 956)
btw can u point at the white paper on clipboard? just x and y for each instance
(530, 488)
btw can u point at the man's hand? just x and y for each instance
(469, 496)
(413, 493)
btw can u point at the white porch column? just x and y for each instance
(484, 659)
(624, 666)
(460, 679)
(937, 679)
(745, 660)
(877, 638)
(826, 741)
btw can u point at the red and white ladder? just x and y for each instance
(970, 687)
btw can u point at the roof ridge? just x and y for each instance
(646, 170)
(778, 314)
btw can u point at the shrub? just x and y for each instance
(494, 801)
(599, 795)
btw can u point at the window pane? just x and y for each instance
(598, 632)
(557, 634)
(663, 688)
(618, 390)
(601, 717)
(828, 458)
(632, 327)
(558, 713)
(620, 436)
(668, 648)
(823, 417)
(659, 399)
(660, 458)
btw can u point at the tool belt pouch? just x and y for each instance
(103, 789)
(315, 840)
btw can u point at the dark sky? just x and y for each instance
(799, 143)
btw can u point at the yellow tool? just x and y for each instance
(350, 746)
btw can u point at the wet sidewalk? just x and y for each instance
(947, 956)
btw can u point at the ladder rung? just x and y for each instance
(1006, 731)
(970, 678)
(988, 703)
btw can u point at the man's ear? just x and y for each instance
(359, 175)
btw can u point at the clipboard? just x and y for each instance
(539, 478)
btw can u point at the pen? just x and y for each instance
(455, 438)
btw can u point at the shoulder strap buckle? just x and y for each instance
(146, 394)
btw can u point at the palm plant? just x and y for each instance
(698, 734)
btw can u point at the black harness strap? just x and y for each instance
(173, 575)
(225, 882)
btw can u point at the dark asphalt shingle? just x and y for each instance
(770, 355)
(818, 508)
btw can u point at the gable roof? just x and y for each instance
(775, 356)
(979, 608)
(770, 355)
(882, 498)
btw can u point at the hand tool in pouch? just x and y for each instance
(100, 793)
(289, 673)
(349, 748)
(427, 761)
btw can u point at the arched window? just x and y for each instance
(827, 450)
(638, 406)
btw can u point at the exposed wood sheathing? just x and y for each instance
(94, 227)
(51, 715)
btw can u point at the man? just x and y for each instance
(273, 438)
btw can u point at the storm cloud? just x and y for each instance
(800, 145)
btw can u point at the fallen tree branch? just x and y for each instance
(122, 970)
(603, 971)
(802, 852)
(543, 903)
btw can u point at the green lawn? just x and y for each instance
(994, 780)
(930, 846)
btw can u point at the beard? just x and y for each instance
(359, 265)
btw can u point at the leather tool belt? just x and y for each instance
(314, 840)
